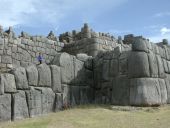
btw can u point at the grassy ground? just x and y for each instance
(99, 117)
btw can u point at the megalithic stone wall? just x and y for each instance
(21, 51)
(40, 89)
(137, 76)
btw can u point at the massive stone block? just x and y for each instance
(120, 91)
(8, 82)
(153, 64)
(21, 78)
(106, 70)
(34, 102)
(66, 95)
(47, 99)
(56, 78)
(44, 75)
(167, 81)
(58, 104)
(20, 108)
(65, 61)
(139, 44)
(5, 107)
(147, 92)
(138, 65)
(161, 71)
(32, 74)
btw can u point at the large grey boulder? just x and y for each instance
(21, 78)
(86, 95)
(75, 95)
(161, 71)
(147, 92)
(153, 64)
(44, 75)
(120, 91)
(106, 70)
(138, 65)
(47, 99)
(8, 82)
(20, 108)
(167, 82)
(114, 68)
(66, 95)
(34, 102)
(5, 107)
(56, 78)
(139, 44)
(32, 74)
(58, 104)
(66, 62)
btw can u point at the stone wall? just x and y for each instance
(23, 50)
(87, 41)
(133, 77)
(40, 89)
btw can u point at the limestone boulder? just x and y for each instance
(58, 102)
(138, 65)
(66, 62)
(8, 82)
(161, 71)
(20, 108)
(44, 73)
(139, 44)
(32, 74)
(56, 78)
(47, 99)
(5, 107)
(120, 91)
(34, 102)
(153, 64)
(147, 92)
(21, 78)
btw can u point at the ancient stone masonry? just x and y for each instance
(23, 50)
(87, 41)
(130, 71)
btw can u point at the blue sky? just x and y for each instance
(150, 18)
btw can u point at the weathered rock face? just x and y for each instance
(134, 74)
(5, 107)
(21, 78)
(44, 75)
(20, 108)
(32, 74)
(8, 82)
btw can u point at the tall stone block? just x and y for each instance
(32, 74)
(8, 82)
(138, 65)
(44, 75)
(5, 107)
(20, 108)
(56, 78)
(21, 78)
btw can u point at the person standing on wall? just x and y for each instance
(40, 58)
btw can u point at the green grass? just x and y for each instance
(99, 117)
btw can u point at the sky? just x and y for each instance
(149, 18)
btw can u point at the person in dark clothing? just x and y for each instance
(40, 58)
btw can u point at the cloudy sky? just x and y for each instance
(150, 18)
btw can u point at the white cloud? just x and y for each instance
(158, 38)
(35, 12)
(162, 14)
(165, 30)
